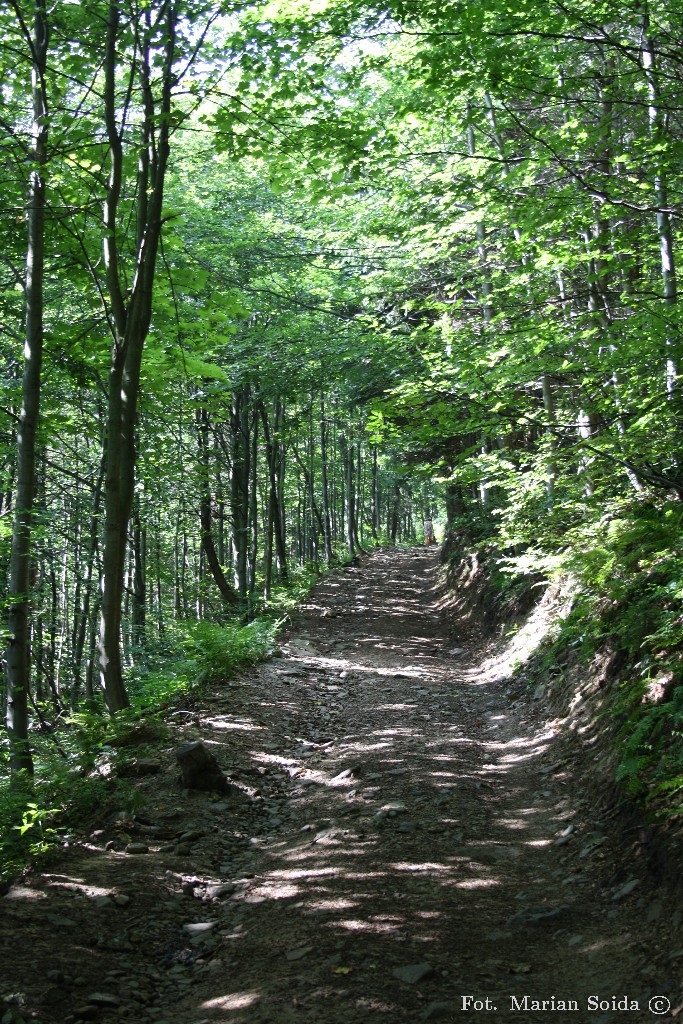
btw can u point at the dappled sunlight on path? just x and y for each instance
(403, 840)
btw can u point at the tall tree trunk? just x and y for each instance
(658, 131)
(84, 617)
(17, 659)
(325, 491)
(349, 494)
(130, 310)
(486, 286)
(205, 513)
(139, 580)
(358, 504)
(274, 460)
(374, 499)
(393, 511)
(239, 486)
(253, 508)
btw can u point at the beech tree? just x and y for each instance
(33, 39)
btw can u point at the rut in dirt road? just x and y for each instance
(416, 850)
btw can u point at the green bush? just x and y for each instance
(219, 651)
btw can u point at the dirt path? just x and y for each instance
(408, 838)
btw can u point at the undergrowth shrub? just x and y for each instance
(73, 776)
(218, 651)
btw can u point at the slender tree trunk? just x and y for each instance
(486, 286)
(84, 616)
(374, 496)
(275, 461)
(393, 512)
(139, 582)
(253, 508)
(358, 504)
(130, 311)
(17, 659)
(239, 487)
(325, 491)
(160, 603)
(349, 495)
(658, 131)
(205, 513)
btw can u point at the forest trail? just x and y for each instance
(408, 836)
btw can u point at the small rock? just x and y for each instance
(412, 973)
(138, 767)
(86, 1012)
(199, 927)
(190, 837)
(103, 999)
(536, 915)
(220, 890)
(121, 900)
(391, 810)
(298, 954)
(592, 843)
(137, 848)
(625, 890)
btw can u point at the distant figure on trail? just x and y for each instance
(429, 533)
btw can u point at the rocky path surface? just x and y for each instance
(410, 843)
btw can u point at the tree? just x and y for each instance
(18, 673)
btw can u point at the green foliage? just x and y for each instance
(284, 598)
(651, 762)
(26, 831)
(623, 561)
(219, 651)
